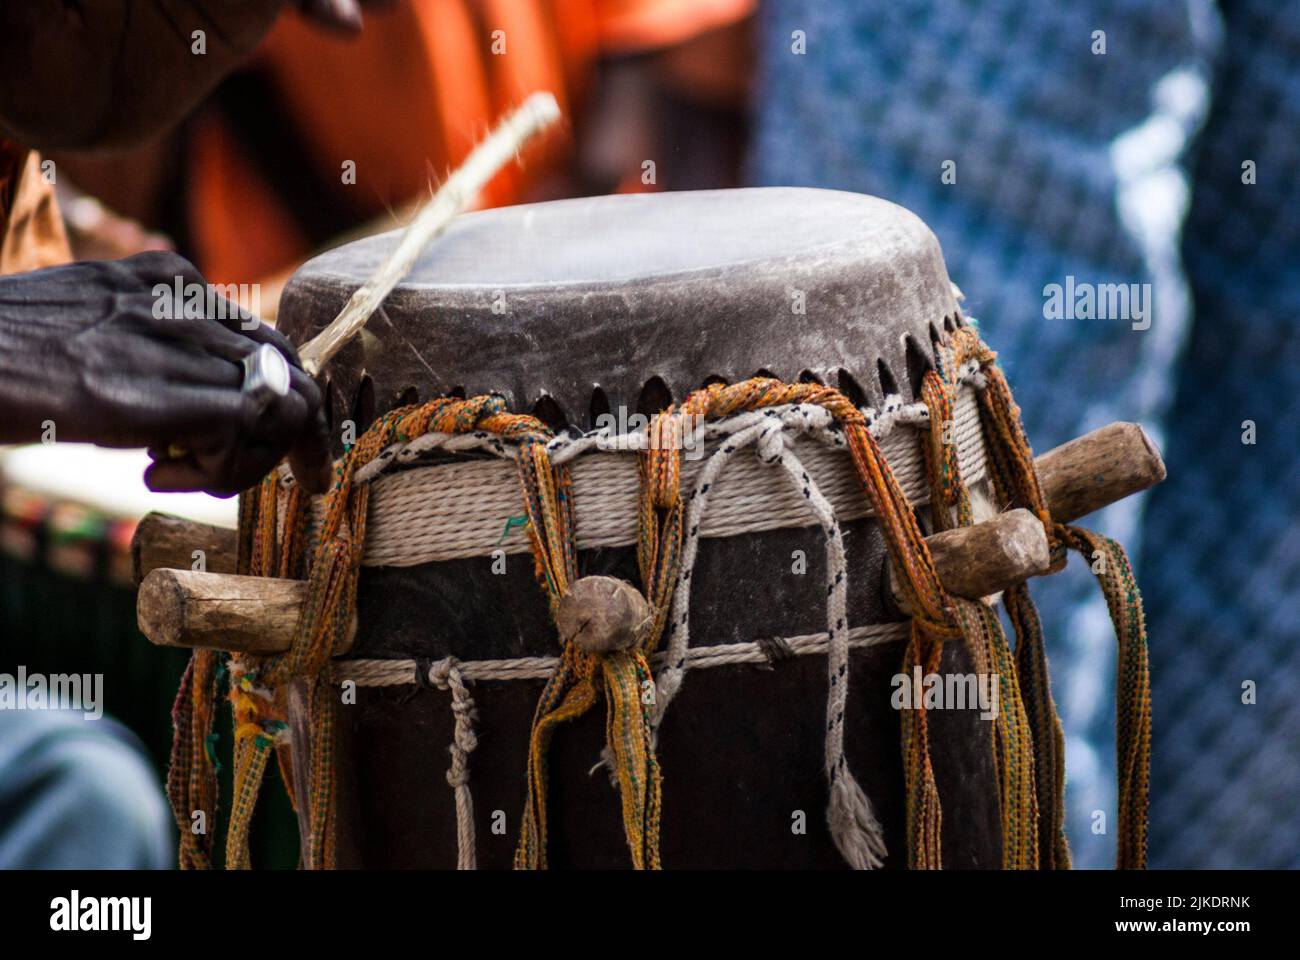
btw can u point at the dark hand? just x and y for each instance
(99, 351)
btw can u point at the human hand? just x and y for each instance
(101, 352)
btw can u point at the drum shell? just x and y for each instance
(741, 747)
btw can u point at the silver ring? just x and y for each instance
(266, 376)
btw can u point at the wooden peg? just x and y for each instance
(165, 541)
(222, 611)
(1098, 469)
(982, 559)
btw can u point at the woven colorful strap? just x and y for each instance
(620, 677)
(1114, 573)
(192, 774)
(1017, 484)
(1012, 742)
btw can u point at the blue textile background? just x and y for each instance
(1038, 155)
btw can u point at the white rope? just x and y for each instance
(669, 680)
(854, 828)
(397, 673)
(794, 420)
(458, 510)
(853, 825)
(446, 675)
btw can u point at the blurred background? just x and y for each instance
(1111, 141)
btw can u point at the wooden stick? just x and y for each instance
(222, 611)
(258, 614)
(1098, 469)
(980, 560)
(162, 540)
(537, 113)
(186, 608)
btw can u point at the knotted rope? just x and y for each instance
(446, 675)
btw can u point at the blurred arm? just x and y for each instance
(80, 74)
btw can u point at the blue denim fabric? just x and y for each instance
(78, 793)
(1221, 545)
(1070, 162)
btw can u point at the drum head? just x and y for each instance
(578, 307)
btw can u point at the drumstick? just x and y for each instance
(187, 608)
(536, 113)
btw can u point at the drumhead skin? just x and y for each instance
(584, 302)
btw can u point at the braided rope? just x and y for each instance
(853, 825)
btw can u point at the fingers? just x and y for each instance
(148, 358)
(224, 462)
(172, 299)
(229, 445)
(309, 459)
(228, 474)
(178, 476)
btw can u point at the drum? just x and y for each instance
(652, 568)
(587, 312)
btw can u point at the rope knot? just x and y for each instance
(440, 672)
(771, 443)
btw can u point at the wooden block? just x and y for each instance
(1098, 469)
(982, 559)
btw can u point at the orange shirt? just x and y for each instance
(405, 102)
